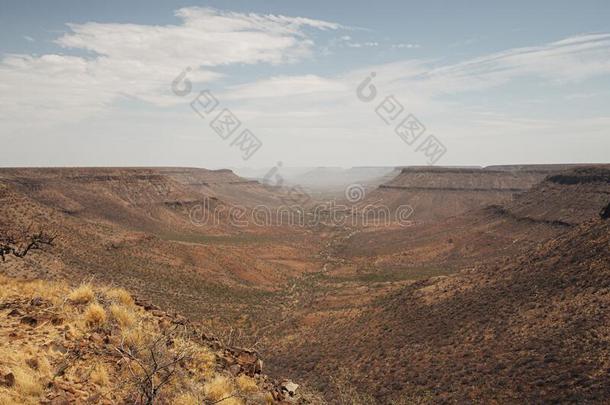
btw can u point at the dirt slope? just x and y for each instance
(533, 330)
(529, 325)
(132, 227)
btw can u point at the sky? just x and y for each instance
(218, 84)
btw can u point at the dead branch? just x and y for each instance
(19, 244)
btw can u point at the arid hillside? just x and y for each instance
(436, 193)
(532, 329)
(523, 318)
(413, 298)
(96, 345)
(566, 198)
(135, 227)
(496, 230)
(145, 198)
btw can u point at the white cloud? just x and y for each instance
(285, 86)
(569, 60)
(572, 59)
(407, 46)
(140, 61)
(368, 44)
(321, 113)
(309, 104)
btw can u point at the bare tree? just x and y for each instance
(153, 365)
(20, 243)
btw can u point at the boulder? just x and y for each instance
(289, 387)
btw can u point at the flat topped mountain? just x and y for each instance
(142, 185)
(436, 193)
(181, 175)
(569, 197)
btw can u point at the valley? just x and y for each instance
(494, 288)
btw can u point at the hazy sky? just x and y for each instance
(90, 83)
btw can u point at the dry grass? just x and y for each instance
(219, 388)
(51, 291)
(185, 399)
(121, 296)
(99, 375)
(27, 382)
(203, 361)
(95, 315)
(39, 363)
(31, 370)
(111, 314)
(232, 401)
(6, 398)
(246, 384)
(83, 294)
(133, 338)
(123, 316)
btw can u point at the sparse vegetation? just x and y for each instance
(105, 346)
(95, 315)
(381, 302)
(347, 392)
(83, 294)
(121, 296)
(100, 376)
(246, 384)
(219, 389)
(122, 315)
(186, 399)
(19, 243)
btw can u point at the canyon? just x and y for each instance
(499, 274)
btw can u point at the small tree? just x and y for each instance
(20, 243)
(153, 365)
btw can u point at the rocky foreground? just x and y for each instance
(99, 345)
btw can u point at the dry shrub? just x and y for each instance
(51, 291)
(121, 296)
(83, 294)
(6, 398)
(246, 384)
(95, 315)
(219, 388)
(99, 375)
(27, 382)
(123, 316)
(155, 365)
(185, 399)
(133, 338)
(203, 362)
